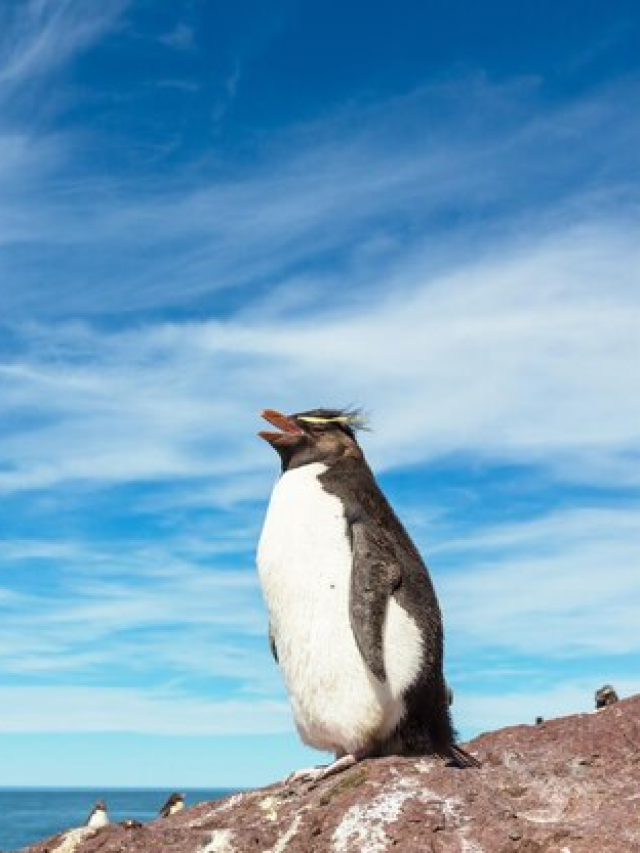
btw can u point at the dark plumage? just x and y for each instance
(605, 696)
(387, 563)
(130, 823)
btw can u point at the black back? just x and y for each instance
(385, 553)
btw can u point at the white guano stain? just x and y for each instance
(467, 846)
(425, 766)
(555, 796)
(231, 803)
(363, 828)
(216, 809)
(220, 842)
(268, 806)
(281, 844)
(452, 809)
(73, 838)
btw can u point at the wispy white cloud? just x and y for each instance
(39, 36)
(100, 611)
(111, 709)
(30, 549)
(539, 614)
(566, 528)
(561, 587)
(527, 355)
(343, 197)
(23, 161)
(181, 37)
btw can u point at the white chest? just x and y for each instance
(304, 546)
(305, 563)
(98, 819)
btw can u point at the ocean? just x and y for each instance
(28, 815)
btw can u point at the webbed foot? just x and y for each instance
(317, 774)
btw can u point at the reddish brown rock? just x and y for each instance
(570, 785)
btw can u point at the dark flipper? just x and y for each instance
(373, 581)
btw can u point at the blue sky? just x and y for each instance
(426, 209)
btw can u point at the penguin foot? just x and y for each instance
(317, 774)
(462, 758)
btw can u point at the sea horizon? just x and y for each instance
(118, 788)
(30, 813)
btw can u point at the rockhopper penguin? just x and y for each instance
(354, 621)
(98, 816)
(174, 804)
(606, 696)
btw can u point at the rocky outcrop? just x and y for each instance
(570, 785)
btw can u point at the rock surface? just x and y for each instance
(570, 785)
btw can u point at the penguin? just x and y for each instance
(354, 621)
(174, 804)
(605, 696)
(98, 816)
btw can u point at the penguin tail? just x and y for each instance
(462, 758)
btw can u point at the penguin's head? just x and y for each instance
(100, 806)
(606, 696)
(318, 435)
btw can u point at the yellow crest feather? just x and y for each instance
(354, 420)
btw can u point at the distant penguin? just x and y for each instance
(354, 620)
(605, 696)
(98, 816)
(174, 804)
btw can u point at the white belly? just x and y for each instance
(98, 820)
(304, 562)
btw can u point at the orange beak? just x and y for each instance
(289, 431)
